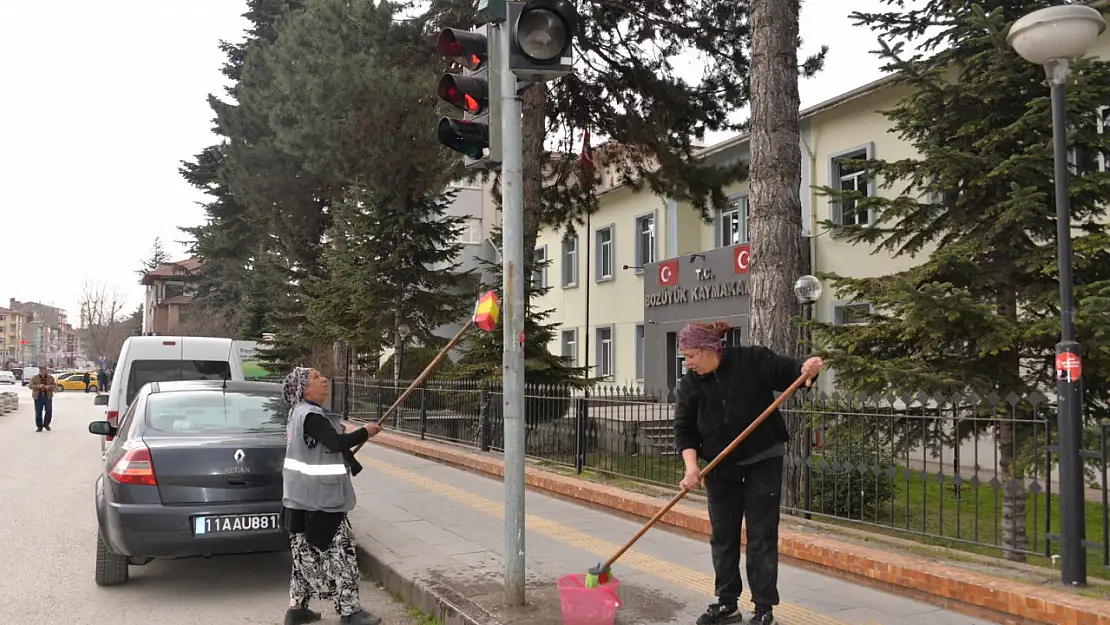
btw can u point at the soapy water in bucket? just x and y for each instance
(588, 606)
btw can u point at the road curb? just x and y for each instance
(425, 595)
(971, 592)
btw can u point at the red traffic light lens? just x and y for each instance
(466, 48)
(464, 92)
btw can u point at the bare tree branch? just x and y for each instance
(100, 308)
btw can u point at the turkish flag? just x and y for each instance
(741, 258)
(668, 273)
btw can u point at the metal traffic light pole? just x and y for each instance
(512, 259)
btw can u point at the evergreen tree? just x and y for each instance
(351, 95)
(392, 260)
(157, 258)
(975, 208)
(235, 238)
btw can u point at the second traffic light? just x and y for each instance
(476, 93)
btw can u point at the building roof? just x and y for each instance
(174, 269)
(844, 98)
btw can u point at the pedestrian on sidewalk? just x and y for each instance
(87, 379)
(318, 494)
(101, 381)
(43, 386)
(724, 390)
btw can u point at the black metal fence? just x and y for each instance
(975, 472)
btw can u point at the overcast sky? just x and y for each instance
(102, 101)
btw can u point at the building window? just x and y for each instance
(605, 352)
(570, 261)
(605, 259)
(639, 352)
(539, 268)
(470, 232)
(1086, 161)
(645, 241)
(847, 178)
(734, 223)
(570, 346)
(851, 314)
(735, 337)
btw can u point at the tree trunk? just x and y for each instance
(397, 340)
(533, 132)
(774, 203)
(1014, 538)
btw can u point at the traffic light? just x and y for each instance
(542, 43)
(476, 92)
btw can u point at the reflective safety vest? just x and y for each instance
(314, 478)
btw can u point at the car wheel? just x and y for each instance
(60, 389)
(93, 388)
(111, 569)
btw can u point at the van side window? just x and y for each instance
(147, 371)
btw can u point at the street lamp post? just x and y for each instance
(1051, 37)
(808, 290)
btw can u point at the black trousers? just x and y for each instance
(746, 495)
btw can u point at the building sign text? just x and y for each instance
(697, 294)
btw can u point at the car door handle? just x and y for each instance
(237, 481)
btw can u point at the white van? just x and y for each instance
(145, 359)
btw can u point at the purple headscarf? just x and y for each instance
(700, 337)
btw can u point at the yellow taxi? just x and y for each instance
(75, 381)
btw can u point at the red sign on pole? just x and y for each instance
(668, 273)
(24, 342)
(1068, 367)
(741, 258)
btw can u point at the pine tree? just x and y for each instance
(234, 240)
(392, 260)
(980, 310)
(157, 258)
(351, 90)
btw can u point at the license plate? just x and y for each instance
(234, 523)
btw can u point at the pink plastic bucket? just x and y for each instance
(588, 606)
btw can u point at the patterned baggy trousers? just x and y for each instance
(331, 574)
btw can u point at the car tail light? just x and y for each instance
(113, 418)
(135, 467)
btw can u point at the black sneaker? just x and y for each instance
(300, 616)
(38, 429)
(362, 617)
(47, 427)
(718, 613)
(762, 617)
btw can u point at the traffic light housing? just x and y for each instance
(476, 92)
(541, 47)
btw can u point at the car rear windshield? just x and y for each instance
(216, 411)
(147, 371)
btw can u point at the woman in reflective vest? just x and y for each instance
(317, 495)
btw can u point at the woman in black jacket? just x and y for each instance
(724, 391)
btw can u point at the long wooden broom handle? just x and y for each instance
(709, 467)
(424, 375)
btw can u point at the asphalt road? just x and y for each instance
(48, 537)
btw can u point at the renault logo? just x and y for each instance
(239, 456)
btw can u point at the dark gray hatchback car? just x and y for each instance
(194, 470)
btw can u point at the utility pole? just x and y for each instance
(530, 41)
(512, 258)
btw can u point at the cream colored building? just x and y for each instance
(633, 229)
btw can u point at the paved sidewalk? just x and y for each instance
(440, 526)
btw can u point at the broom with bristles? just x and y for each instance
(599, 574)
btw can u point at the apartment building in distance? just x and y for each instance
(651, 265)
(44, 334)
